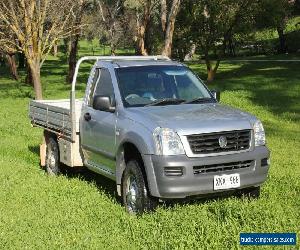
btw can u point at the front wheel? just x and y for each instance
(134, 191)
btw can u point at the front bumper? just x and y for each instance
(190, 184)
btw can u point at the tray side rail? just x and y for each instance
(52, 118)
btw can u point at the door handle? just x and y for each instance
(87, 117)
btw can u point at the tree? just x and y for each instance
(110, 12)
(79, 9)
(296, 10)
(8, 50)
(209, 24)
(148, 10)
(36, 26)
(143, 10)
(11, 59)
(168, 24)
(274, 14)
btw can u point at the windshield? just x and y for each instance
(160, 85)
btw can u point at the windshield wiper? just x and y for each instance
(165, 101)
(200, 100)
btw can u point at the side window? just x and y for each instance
(104, 86)
(92, 90)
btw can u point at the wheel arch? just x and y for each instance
(130, 150)
(47, 134)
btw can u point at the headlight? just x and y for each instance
(167, 142)
(259, 134)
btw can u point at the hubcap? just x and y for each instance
(52, 160)
(131, 194)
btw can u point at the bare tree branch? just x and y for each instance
(33, 27)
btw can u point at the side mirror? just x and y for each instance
(103, 103)
(216, 94)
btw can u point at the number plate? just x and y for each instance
(226, 181)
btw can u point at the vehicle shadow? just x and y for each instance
(108, 186)
(102, 183)
(202, 199)
(34, 149)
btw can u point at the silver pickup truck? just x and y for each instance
(151, 125)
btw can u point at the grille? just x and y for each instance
(209, 143)
(222, 167)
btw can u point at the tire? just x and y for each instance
(136, 198)
(52, 157)
(251, 193)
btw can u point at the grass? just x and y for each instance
(82, 211)
(269, 37)
(266, 34)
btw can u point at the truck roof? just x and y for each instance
(134, 63)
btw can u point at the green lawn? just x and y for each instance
(266, 34)
(82, 211)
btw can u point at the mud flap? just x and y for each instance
(43, 154)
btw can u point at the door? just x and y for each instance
(98, 127)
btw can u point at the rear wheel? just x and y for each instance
(52, 157)
(135, 195)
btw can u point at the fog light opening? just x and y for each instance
(173, 171)
(265, 162)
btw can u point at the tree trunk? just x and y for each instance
(74, 44)
(282, 41)
(142, 27)
(231, 47)
(66, 47)
(28, 79)
(224, 47)
(36, 79)
(148, 41)
(73, 58)
(163, 16)
(191, 53)
(21, 60)
(11, 59)
(141, 50)
(112, 32)
(55, 49)
(210, 75)
(211, 71)
(167, 50)
(112, 48)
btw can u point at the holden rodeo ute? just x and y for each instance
(152, 126)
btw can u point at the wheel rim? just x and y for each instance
(131, 194)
